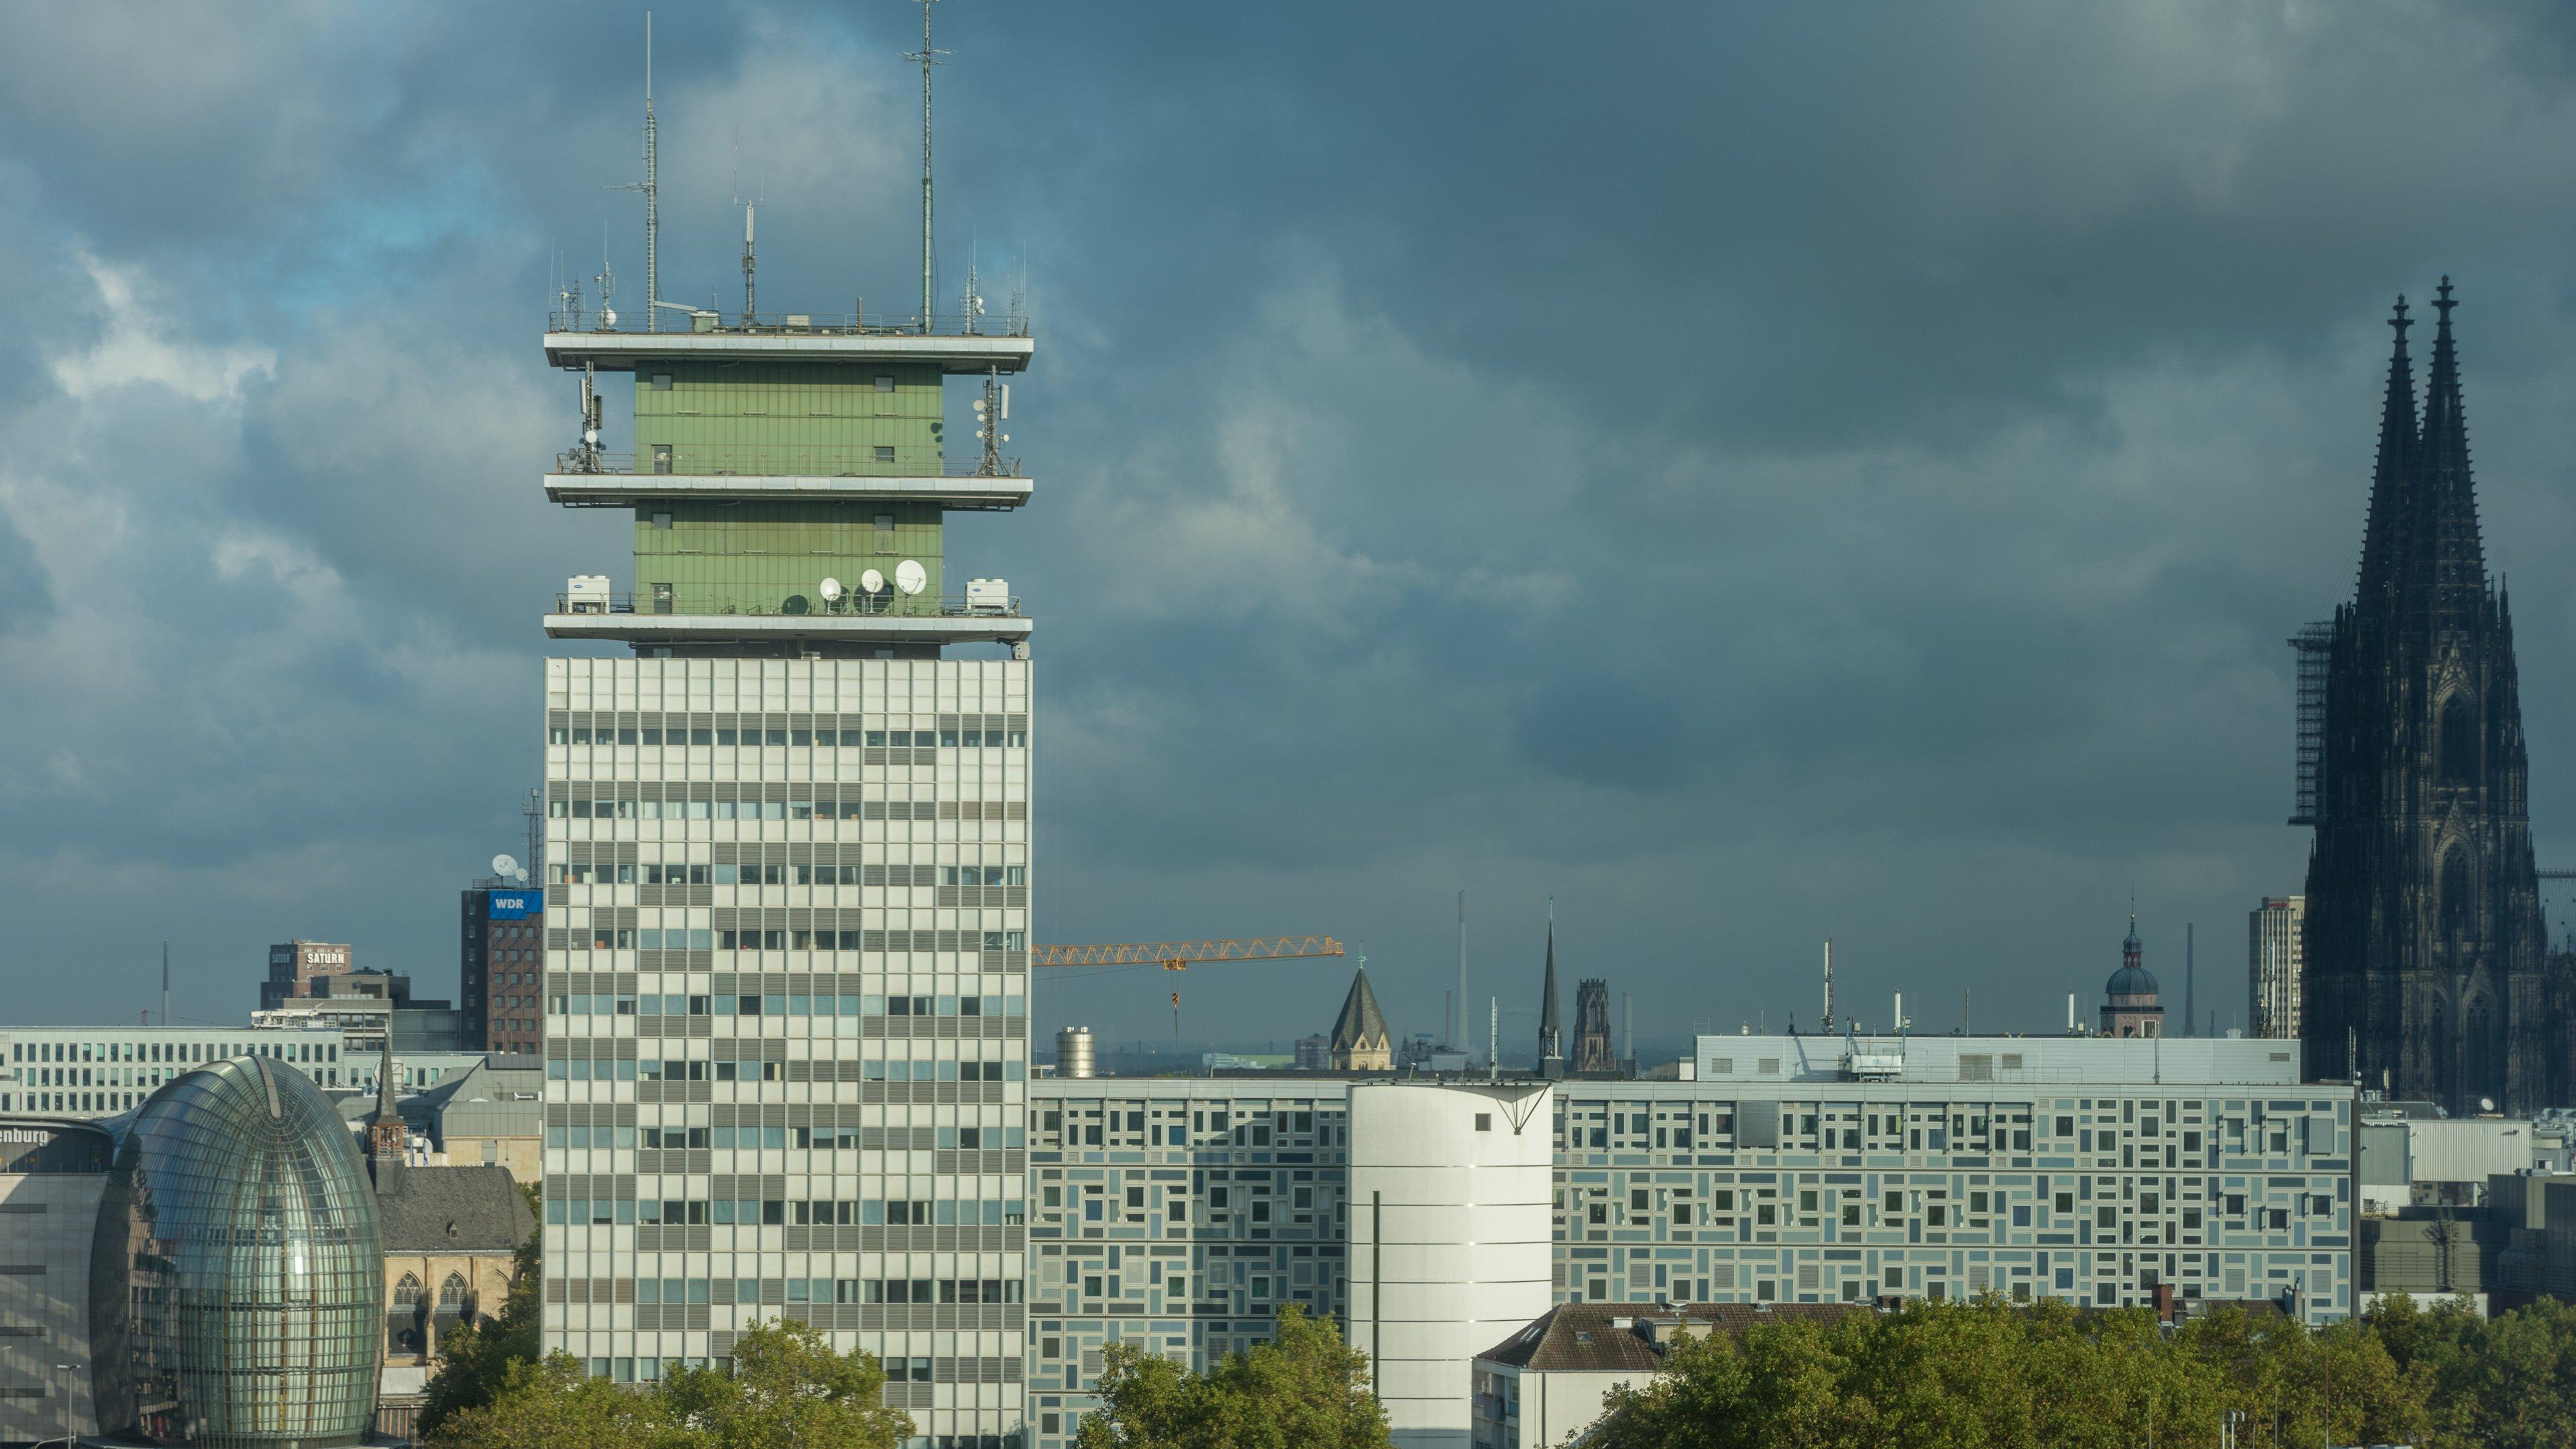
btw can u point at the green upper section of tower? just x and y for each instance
(788, 478)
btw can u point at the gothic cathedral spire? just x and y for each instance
(2426, 969)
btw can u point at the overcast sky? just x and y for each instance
(1753, 473)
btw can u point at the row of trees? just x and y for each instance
(783, 1388)
(1980, 1375)
(1998, 1375)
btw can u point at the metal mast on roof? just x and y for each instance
(928, 58)
(652, 189)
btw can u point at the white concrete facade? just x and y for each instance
(748, 1016)
(1449, 1239)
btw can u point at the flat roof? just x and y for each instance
(2001, 1060)
(621, 351)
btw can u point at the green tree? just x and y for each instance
(1304, 1389)
(784, 1388)
(553, 1404)
(475, 1360)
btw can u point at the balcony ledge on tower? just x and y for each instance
(947, 621)
(996, 344)
(618, 489)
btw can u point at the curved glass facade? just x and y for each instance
(237, 1282)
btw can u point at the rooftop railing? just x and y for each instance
(772, 462)
(888, 604)
(793, 324)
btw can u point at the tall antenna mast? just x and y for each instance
(748, 264)
(928, 58)
(652, 193)
(165, 983)
(1458, 1030)
(1829, 985)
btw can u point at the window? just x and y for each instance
(2459, 742)
(451, 1294)
(1484, 1121)
(884, 383)
(407, 1292)
(885, 453)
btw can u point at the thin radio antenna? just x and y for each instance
(749, 312)
(651, 186)
(928, 58)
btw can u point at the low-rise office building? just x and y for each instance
(1179, 1214)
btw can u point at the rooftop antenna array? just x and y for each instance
(928, 58)
(971, 303)
(651, 186)
(991, 411)
(1829, 986)
(604, 282)
(749, 312)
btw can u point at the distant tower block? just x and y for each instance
(2132, 1004)
(2278, 930)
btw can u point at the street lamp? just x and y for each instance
(69, 1423)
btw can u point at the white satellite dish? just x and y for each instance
(872, 582)
(831, 590)
(608, 317)
(910, 577)
(503, 865)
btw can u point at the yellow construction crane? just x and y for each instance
(1177, 955)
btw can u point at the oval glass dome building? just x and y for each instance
(237, 1281)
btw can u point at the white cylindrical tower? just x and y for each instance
(1449, 1239)
(1073, 1054)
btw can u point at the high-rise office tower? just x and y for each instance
(2425, 970)
(2278, 928)
(787, 864)
(500, 929)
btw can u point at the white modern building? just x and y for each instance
(788, 867)
(1449, 1239)
(2277, 946)
(97, 1071)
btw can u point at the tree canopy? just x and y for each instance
(1995, 1375)
(785, 1387)
(1304, 1389)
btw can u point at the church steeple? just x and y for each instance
(1551, 1029)
(2453, 560)
(2426, 973)
(2394, 470)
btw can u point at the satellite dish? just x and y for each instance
(910, 577)
(608, 317)
(872, 582)
(505, 866)
(2486, 1104)
(831, 590)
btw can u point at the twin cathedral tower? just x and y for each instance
(2428, 972)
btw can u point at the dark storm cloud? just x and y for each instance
(1749, 472)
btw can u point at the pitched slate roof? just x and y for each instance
(1613, 1338)
(454, 1210)
(1361, 1024)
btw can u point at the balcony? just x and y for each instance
(589, 477)
(890, 617)
(957, 343)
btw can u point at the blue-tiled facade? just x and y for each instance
(1180, 1214)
